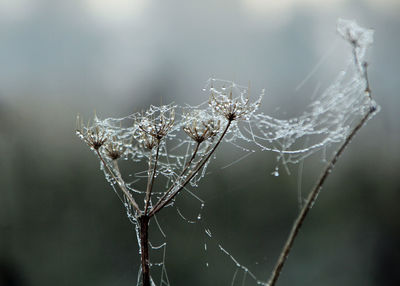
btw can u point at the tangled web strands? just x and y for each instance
(326, 121)
(330, 117)
(134, 133)
(168, 137)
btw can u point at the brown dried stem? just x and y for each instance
(181, 174)
(144, 249)
(151, 177)
(167, 198)
(120, 183)
(312, 197)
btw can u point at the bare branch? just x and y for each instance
(120, 183)
(311, 199)
(165, 200)
(151, 177)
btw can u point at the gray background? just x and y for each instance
(60, 223)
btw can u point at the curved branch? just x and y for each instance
(311, 199)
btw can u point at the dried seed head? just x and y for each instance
(200, 130)
(114, 149)
(148, 141)
(94, 136)
(232, 108)
(152, 130)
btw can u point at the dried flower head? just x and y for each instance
(148, 141)
(94, 136)
(232, 108)
(200, 130)
(114, 149)
(153, 128)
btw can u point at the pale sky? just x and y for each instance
(117, 12)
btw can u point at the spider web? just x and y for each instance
(325, 122)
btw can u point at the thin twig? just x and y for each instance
(191, 159)
(151, 181)
(176, 181)
(317, 189)
(311, 199)
(120, 183)
(164, 200)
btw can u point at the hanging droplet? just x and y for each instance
(276, 172)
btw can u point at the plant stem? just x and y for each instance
(165, 200)
(311, 199)
(120, 182)
(191, 159)
(151, 178)
(181, 174)
(144, 249)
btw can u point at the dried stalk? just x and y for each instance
(120, 183)
(143, 220)
(151, 178)
(316, 190)
(167, 197)
(144, 249)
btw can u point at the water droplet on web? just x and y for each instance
(325, 121)
(275, 173)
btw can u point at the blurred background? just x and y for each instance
(60, 222)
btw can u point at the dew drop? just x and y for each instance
(275, 173)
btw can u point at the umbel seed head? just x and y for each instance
(200, 130)
(232, 108)
(94, 136)
(152, 129)
(114, 149)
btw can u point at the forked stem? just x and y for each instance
(167, 197)
(176, 181)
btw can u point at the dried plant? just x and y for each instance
(177, 143)
(148, 137)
